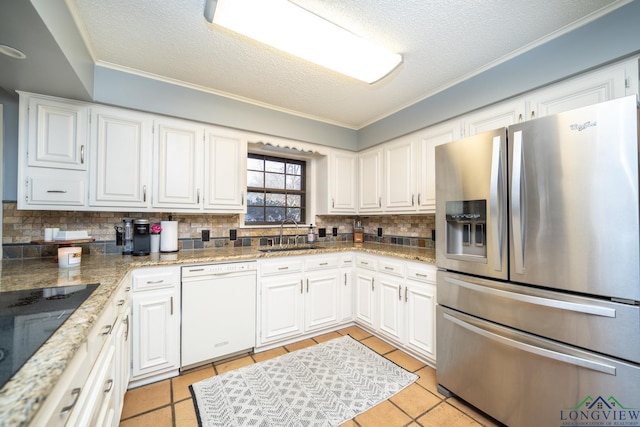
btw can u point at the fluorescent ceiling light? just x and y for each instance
(290, 28)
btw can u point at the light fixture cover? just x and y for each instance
(290, 28)
(12, 52)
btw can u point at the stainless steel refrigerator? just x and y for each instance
(538, 251)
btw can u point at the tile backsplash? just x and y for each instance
(20, 227)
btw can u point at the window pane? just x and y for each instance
(255, 179)
(254, 215)
(294, 182)
(274, 180)
(294, 200)
(294, 214)
(255, 199)
(275, 199)
(275, 214)
(273, 166)
(294, 169)
(255, 164)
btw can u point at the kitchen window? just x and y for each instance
(276, 190)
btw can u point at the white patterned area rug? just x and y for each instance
(323, 385)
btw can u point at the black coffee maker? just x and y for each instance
(141, 237)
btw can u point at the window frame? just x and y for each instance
(303, 192)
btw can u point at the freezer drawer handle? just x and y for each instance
(546, 302)
(543, 352)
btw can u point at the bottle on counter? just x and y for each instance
(311, 237)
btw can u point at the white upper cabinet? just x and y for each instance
(343, 181)
(607, 83)
(57, 133)
(178, 153)
(370, 180)
(225, 164)
(400, 175)
(428, 140)
(494, 117)
(120, 142)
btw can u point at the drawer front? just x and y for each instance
(391, 267)
(57, 191)
(321, 262)
(101, 331)
(155, 278)
(421, 273)
(281, 266)
(366, 262)
(347, 261)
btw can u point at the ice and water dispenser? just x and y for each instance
(466, 231)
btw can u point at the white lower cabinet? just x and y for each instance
(347, 289)
(365, 283)
(155, 317)
(297, 295)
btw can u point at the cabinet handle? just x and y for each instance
(107, 330)
(307, 285)
(406, 297)
(345, 279)
(172, 306)
(144, 193)
(198, 196)
(379, 202)
(400, 293)
(120, 303)
(418, 199)
(301, 287)
(109, 386)
(126, 331)
(373, 286)
(533, 115)
(82, 154)
(520, 118)
(283, 268)
(422, 275)
(57, 191)
(413, 196)
(242, 198)
(155, 282)
(127, 289)
(324, 263)
(364, 263)
(75, 392)
(389, 268)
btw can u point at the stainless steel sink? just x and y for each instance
(288, 248)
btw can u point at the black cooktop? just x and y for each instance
(29, 317)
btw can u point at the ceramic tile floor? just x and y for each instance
(168, 403)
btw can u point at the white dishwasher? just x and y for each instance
(218, 311)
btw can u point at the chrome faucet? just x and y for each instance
(282, 227)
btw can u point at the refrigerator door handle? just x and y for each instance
(517, 205)
(541, 301)
(539, 351)
(495, 203)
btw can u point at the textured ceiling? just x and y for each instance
(442, 41)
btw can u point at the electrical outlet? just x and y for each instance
(233, 234)
(205, 235)
(334, 231)
(379, 231)
(322, 232)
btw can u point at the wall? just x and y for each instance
(10, 148)
(21, 227)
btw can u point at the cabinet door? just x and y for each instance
(497, 116)
(225, 173)
(120, 158)
(598, 86)
(177, 175)
(391, 306)
(400, 176)
(281, 307)
(123, 358)
(420, 302)
(370, 181)
(57, 134)
(343, 179)
(428, 142)
(156, 331)
(346, 284)
(366, 298)
(321, 299)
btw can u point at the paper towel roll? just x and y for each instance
(169, 236)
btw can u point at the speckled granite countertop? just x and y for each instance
(22, 396)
